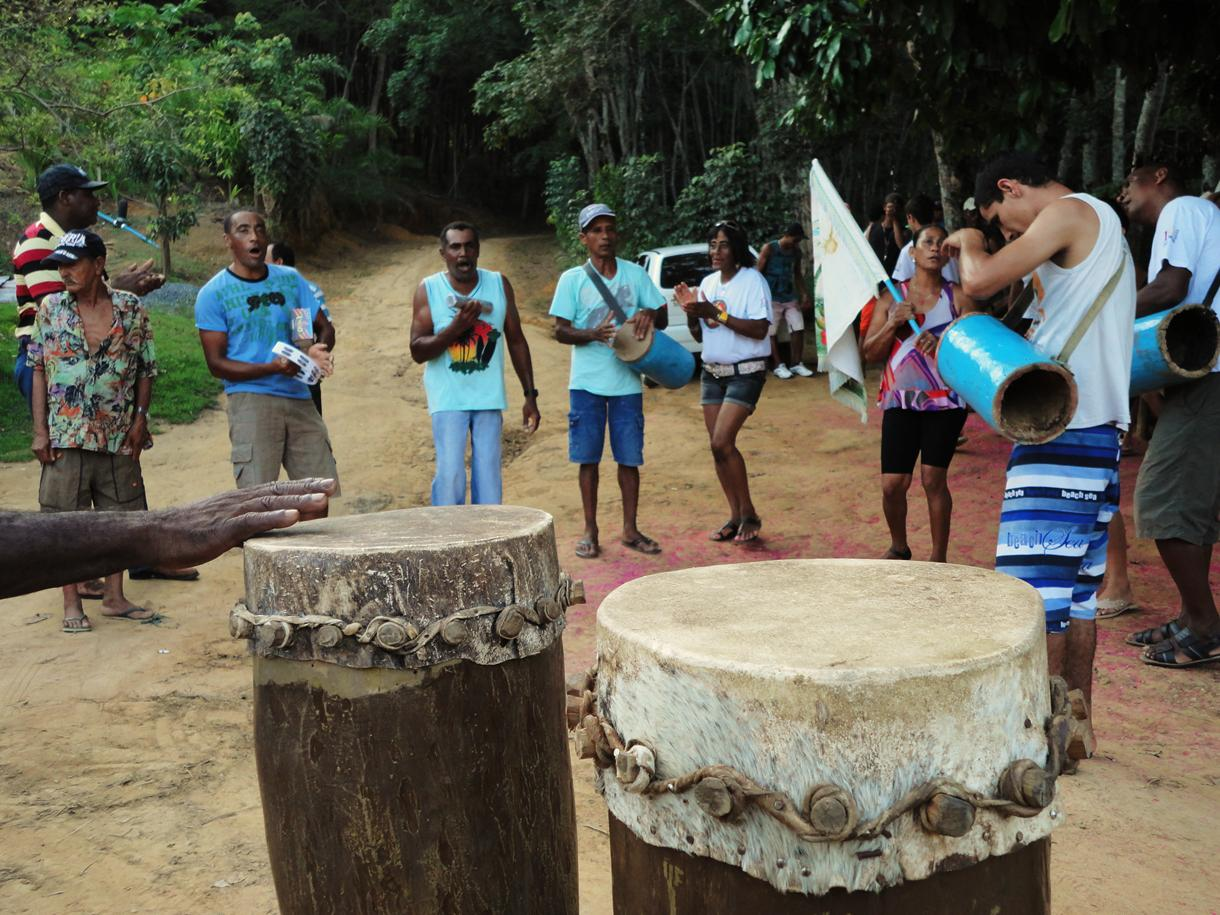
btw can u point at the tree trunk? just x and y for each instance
(1150, 112)
(950, 183)
(1118, 129)
(1071, 134)
(375, 101)
(1210, 173)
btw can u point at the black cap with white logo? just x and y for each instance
(75, 246)
(65, 177)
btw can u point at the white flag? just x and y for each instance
(847, 276)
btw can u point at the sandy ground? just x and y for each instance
(127, 780)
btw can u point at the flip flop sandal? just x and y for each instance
(752, 520)
(642, 544)
(84, 624)
(127, 615)
(1154, 635)
(727, 531)
(1108, 608)
(1198, 650)
(587, 549)
(892, 553)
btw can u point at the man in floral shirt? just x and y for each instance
(93, 361)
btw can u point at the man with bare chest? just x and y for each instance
(92, 355)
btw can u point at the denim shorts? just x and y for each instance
(587, 422)
(743, 390)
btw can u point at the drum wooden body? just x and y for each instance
(658, 355)
(1022, 393)
(825, 695)
(1174, 346)
(408, 712)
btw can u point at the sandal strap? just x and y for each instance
(1194, 646)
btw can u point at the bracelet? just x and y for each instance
(531, 392)
(141, 411)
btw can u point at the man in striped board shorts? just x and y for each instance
(1059, 496)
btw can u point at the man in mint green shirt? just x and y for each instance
(602, 390)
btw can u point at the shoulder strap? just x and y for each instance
(1211, 291)
(1087, 320)
(600, 285)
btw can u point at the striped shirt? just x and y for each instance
(35, 282)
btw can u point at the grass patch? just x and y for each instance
(183, 389)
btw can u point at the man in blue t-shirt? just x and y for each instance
(242, 312)
(602, 388)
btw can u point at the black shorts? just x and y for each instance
(930, 435)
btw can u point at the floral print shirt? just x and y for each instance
(91, 396)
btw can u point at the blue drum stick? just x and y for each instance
(898, 298)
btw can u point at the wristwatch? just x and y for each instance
(531, 392)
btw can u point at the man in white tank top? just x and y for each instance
(1060, 496)
(1177, 496)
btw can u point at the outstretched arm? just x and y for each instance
(519, 352)
(40, 551)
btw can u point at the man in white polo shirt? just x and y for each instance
(1177, 496)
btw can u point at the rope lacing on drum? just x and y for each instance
(830, 813)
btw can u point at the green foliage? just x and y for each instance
(733, 187)
(565, 193)
(183, 389)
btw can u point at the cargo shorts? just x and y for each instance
(267, 432)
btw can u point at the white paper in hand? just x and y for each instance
(309, 372)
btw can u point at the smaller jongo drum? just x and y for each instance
(1021, 392)
(658, 355)
(825, 736)
(1174, 346)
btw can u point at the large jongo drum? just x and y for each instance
(658, 355)
(408, 712)
(1021, 392)
(1174, 346)
(826, 736)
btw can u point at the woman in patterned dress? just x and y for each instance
(922, 417)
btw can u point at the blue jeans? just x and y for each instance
(587, 420)
(450, 429)
(23, 375)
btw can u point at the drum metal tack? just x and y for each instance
(510, 622)
(391, 634)
(328, 636)
(455, 632)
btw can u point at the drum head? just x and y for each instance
(627, 347)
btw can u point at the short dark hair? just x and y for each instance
(458, 226)
(227, 222)
(283, 251)
(920, 206)
(1155, 160)
(1013, 165)
(737, 241)
(895, 198)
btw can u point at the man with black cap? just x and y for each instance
(68, 202)
(93, 362)
(780, 264)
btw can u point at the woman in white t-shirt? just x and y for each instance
(731, 314)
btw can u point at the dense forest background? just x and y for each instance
(678, 112)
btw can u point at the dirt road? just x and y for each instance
(127, 780)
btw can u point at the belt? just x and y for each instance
(729, 369)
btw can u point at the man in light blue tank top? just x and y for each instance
(462, 320)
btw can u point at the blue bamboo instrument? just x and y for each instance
(1173, 346)
(123, 224)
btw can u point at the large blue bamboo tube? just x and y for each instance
(1021, 392)
(1173, 346)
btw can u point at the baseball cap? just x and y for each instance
(76, 245)
(64, 177)
(591, 212)
(796, 230)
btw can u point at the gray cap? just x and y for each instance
(591, 212)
